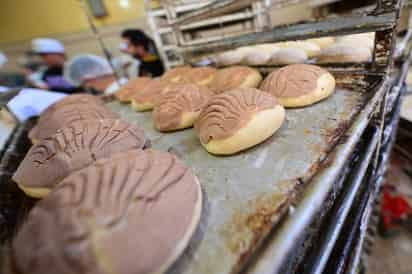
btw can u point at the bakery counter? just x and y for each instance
(286, 178)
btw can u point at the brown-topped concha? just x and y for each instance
(238, 119)
(126, 92)
(176, 74)
(201, 76)
(180, 107)
(235, 77)
(72, 148)
(133, 213)
(67, 114)
(149, 96)
(299, 85)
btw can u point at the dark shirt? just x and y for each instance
(53, 77)
(151, 66)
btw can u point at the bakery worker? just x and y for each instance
(137, 44)
(53, 55)
(92, 73)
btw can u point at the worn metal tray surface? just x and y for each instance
(246, 194)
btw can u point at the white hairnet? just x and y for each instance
(86, 66)
(47, 45)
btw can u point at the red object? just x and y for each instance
(395, 209)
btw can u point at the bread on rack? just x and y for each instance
(345, 53)
(176, 74)
(180, 107)
(358, 40)
(232, 57)
(322, 42)
(126, 92)
(72, 148)
(66, 114)
(147, 98)
(238, 119)
(133, 213)
(299, 85)
(287, 56)
(235, 77)
(310, 48)
(201, 75)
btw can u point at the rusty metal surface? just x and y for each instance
(246, 194)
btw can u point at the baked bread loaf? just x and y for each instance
(147, 98)
(126, 92)
(235, 77)
(358, 40)
(176, 74)
(238, 119)
(322, 42)
(133, 213)
(299, 85)
(310, 48)
(287, 56)
(72, 148)
(345, 53)
(66, 114)
(180, 107)
(257, 56)
(232, 57)
(201, 76)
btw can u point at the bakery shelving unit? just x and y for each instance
(300, 201)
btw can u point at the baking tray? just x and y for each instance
(247, 194)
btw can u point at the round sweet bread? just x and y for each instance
(126, 92)
(176, 74)
(299, 85)
(72, 148)
(344, 53)
(235, 77)
(147, 98)
(238, 119)
(180, 107)
(201, 76)
(132, 213)
(287, 56)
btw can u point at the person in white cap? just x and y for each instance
(92, 73)
(53, 55)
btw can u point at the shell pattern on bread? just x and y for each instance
(126, 92)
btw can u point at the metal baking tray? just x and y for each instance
(247, 194)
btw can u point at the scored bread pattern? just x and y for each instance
(119, 199)
(231, 78)
(292, 80)
(227, 112)
(180, 99)
(74, 147)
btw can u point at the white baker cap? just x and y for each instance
(46, 45)
(85, 66)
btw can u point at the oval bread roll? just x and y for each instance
(72, 148)
(180, 107)
(126, 92)
(322, 42)
(132, 213)
(287, 56)
(299, 85)
(235, 77)
(256, 56)
(232, 57)
(147, 98)
(237, 120)
(310, 48)
(355, 40)
(343, 53)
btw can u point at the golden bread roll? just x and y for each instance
(287, 56)
(66, 114)
(358, 40)
(126, 92)
(201, 76)
(238, 119)
(176, 74)
(271, 48)
(322, 42)
(235, 77)
(345, 53)
(232, 57)
(299, 85)
(71, 148)
(180, 107)
(133, 213)
(256, 56)
(147, 98)
(310, 48)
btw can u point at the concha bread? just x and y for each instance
(237, 120)
(299, 85)
(133, 213)
(180, 107)
(235, 77)
(126, 92)
(147, 98)
(201, 75)
(176, 74)
(72, 148)
(343, 52)
(286, 56)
